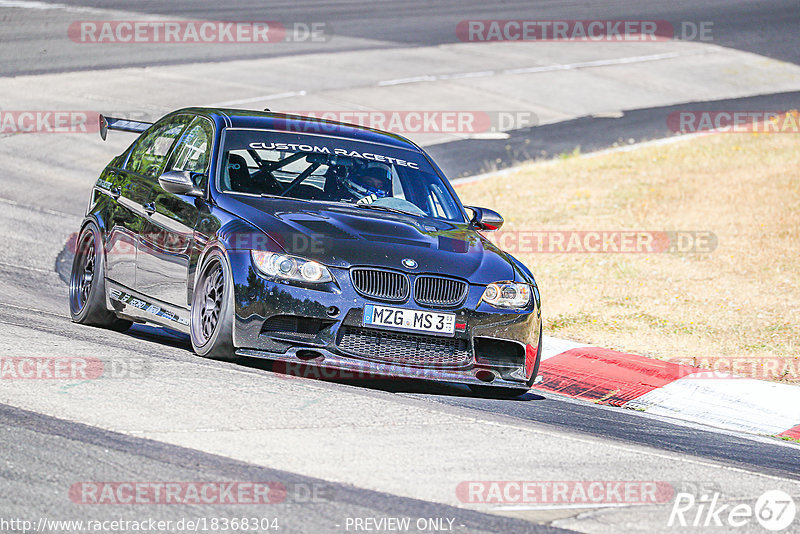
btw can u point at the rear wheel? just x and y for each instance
(212, 310)
(87, 284)
(507, 392)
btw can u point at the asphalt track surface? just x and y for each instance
(70, 452)
(767, 28)
(43, 454)
(587, 134)
(559, 412)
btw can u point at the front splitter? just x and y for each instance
(334, 366)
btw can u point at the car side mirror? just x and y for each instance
(179, 183)
(485, 219)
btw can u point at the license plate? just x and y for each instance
(410, 320)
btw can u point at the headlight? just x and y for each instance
(287, 267)
(507, 295)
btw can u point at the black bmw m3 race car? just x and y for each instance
(302, 240)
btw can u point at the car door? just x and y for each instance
(130, 185)
(165, 253)
(122, 226)
(143, 166)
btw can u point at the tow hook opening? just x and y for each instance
(307, 355)
(484, 376)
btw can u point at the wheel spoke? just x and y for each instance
(83, 275)
(210, 303)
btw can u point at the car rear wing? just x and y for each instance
(124, 125)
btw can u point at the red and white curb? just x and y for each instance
(663, 388)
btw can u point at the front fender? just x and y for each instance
(233, 238)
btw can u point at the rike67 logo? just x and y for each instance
(774, 510)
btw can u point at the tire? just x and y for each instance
(211, 327)
(87, 284)
(508, 392)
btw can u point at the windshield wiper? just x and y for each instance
(383, 208)
(267, 195)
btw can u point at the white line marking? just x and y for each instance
(28, 309)
(26, 4)
(486, 135)
(533, 70)
(523, 507)
(24, 268)
(45, 6)
(414, 79)
(743, 404)
(644, 450)
(479, 74)
(275, 96)
(552, 346)
(35, 208)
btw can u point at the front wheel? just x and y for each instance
(87, 284)
(212, 310)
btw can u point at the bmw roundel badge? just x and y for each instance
(410, 264)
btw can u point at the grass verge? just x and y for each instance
(736, 307)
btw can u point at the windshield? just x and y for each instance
(331, 169)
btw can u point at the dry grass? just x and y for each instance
(742, 300)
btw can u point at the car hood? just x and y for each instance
(345, 236)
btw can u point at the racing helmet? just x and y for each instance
(369, 181)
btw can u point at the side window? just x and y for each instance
(193, 151)
(148, 156)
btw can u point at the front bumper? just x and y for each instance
(337, 309)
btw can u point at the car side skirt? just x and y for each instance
(129, 304)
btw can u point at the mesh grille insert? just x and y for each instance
(406, 349)
(293, 325)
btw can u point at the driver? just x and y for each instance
(370, 184)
